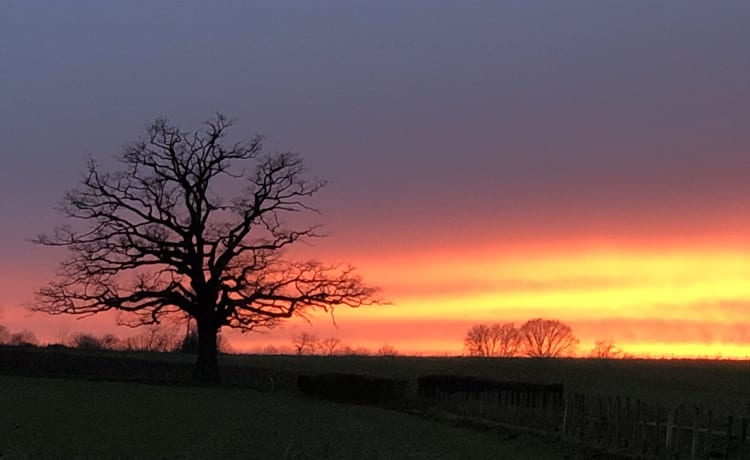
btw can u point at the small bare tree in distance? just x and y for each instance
(23, 338)
(158, 238)
(605, 349)
(4, 335)
(499, 339)
(386, 350)
(330, 346)
(547, 338)
(305, 343)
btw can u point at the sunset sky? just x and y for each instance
(488, 161)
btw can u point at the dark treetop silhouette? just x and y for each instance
(157, 239)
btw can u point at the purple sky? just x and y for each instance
(446, 119)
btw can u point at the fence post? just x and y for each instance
(599, 418)
(668, 435)
(629, 424)
(611, 421)
(582, 416)
(646, 411)
(743, 434)
(657, 431)
(709, 434)
(606, 422)
(728, 448)
(694, 442)
(618, 414)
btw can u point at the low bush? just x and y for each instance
(353, 388)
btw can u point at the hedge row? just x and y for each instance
(353, 388)
(435, 386)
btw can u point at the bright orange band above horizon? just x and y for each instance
(651, 301)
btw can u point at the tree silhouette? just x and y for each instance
(85, 341)
(155, 337)
(492, 340)
(547, 338)
(305, 343)
(605, 349)
(386, 350)
(156, 238)
(23, 338)
(330, 346)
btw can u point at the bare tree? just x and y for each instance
(85, 341)
(157, 239)
(330, 346)
(386, 350)
(492, 340)
(305, 343)
(4, 335)
(547, 338)
(155, 337)
(23, 338)
(269, 350)
(605, 349)
(479, 341)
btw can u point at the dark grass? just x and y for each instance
(83, 416)
(720, 385)
(42, 418)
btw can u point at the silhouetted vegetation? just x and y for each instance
(539, 338)
(497, 339)
(155, 239)
(4, 335)
(85, 341)
(437, 386)
(155, 337)
(386, 350)
(605, 349)
(305, 343)
(353, 388)
(331, 346)
(547, 338)
(23, 338)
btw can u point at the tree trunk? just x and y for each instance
(206, 367)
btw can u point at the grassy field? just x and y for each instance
(94, 414)
(717, 384)
(42, 418)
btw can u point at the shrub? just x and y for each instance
(353, 388)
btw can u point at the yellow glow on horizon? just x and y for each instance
(577, 285)
(652, 301)
(699, 284)
(716, 350)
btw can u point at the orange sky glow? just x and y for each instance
(486, 161)
(652, 299)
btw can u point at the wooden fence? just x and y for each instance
(613, 423)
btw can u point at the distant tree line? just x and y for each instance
(542, 338)
(536, 338)
(156, 338)
(20, 338)
(306, 343)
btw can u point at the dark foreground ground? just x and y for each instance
(43, 418)
(138, 405)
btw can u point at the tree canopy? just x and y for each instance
(159, 237)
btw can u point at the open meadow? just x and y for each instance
(720, 384)
(43, 418)
(137, 405)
